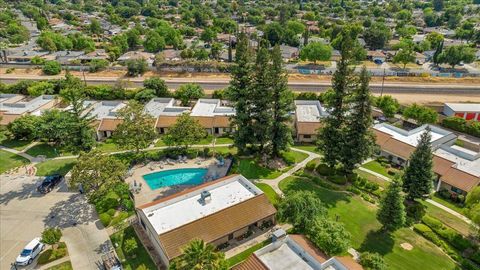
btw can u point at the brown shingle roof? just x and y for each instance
(460, 179)
(109, 124)
(309, 247)
(205, 121)
(393, 146)
(217, 225)
(8, 118)
(308, 127)
(221, 121)
(441, 165)
(251, 263)
(166, 121)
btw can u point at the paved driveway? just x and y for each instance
(24, 213)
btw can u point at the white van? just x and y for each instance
(30, 252)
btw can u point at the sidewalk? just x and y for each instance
(56, 262)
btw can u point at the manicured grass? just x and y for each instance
(377, 167)
(108, 146)
(47, 150)
(224, 150)
(372, 178)
(51, 254)
(204, 141)
(9, 160)
(141, 255)
(61, 166)
(448, 204)
(12, 143)
(224, 140)
(448, 219)
(308, 147)
(240, 257)
(62, 266)
(269, 192)
(359, 218)
(250, 168)
(160, 142)
(297, 156)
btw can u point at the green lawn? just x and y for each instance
(308, 147)
(204, 141)
(224, 150)
(9, 160)
(372, 178)
(269, 192)
(160, 142)
(62, 266)
(47, 150)
(448, 204)
(359, 218)
(377, 167)
(297, 156)
(244, 254)
(224, 140)
(12, 143)
(250, 168)
(61, 166)
(108, 146)
(448, 219)
(141, 255)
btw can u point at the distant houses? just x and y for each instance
(467, 111)
(13, 106)
(308, 118)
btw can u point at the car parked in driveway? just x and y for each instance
(49, 183)
(30, 252)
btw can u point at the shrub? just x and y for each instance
(444, 194)
(105, 219)
(354, 190)
(97, 65)
(311, 165)
(111, 212)
(120, 217)
(37, 60)
(476, 257)
(426, 232)
(455, 123)
(468, 265)
(450, 235)
(51, 68)
(432, 222)
(371, 186)
(367, 198)
(338, 179)
(136, 67)
(415, 211)
(51, 235)
(372, 261)
(323, 169)
(130, 246)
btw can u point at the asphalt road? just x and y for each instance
(296, 86)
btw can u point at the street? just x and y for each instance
(24, 213)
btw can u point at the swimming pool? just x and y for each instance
(189, 176)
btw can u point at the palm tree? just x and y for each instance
(198, 255)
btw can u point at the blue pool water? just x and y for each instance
(192, 176)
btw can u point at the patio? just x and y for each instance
(145, 194)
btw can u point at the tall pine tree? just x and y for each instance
(239, 94)
(282, 101)
(392, 210)
(418, 176)
(331, 138)
(360, 140)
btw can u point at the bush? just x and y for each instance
(455, 123)
(51, 235)
(105, 219)
(354, 190)
(338, 179)
(110, 201)
(111, 212)
(120, 217)
(476, 257)
(97, 65)
(372, 261)
(415, 211)
(371, 186)
(468, 265)
(136, 67)
(450, 235)
(130, 246)
(324, 170)
(51, 68)
(367, 198)
(432, 222)
(426, 232)
(37, 60)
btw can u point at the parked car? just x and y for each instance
(49, 183)
(30, 252)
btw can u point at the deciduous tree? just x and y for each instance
(301, 208)
(187, 92)
(316, 51)
(185, 132)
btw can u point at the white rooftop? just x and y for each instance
(464, 107)
(412, 137)
(25, 105)
(164, 106)
(465, 160)
(106, 109)
(178, 211)
(9, 98)
(211, 107)
(309, 111)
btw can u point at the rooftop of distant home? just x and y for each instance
(465, 159)
(106, 108)
(19, 104)
(209, 198)
(464, 107)
(411, 137)
(211, 107)
(164, 106)
(309, 111)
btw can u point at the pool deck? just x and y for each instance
(146, 195)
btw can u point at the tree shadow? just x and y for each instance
(75, 210)
(378, 241)
(27, 190)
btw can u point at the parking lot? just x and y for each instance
(24, 213)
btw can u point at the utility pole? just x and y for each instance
(383, 82)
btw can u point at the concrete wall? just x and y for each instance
(153, 236)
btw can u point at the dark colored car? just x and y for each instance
(49, 183)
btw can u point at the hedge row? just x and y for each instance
(459, 124)
(426, 232)
(450, 235)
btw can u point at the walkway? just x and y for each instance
(56, 262)
(274, 182)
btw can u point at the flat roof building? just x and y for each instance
(308, 117)
(295, 252)
(215, 212)
(166, 111)
(467, 111)
(13, 106)
(105, 112)
(214, 115)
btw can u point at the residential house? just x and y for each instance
(420, 59)
(105, 113)
(99, 54)
(25, 56)
(335, 55)
(467, 111)
(289, 53)
(217, 212)
(297, 252)
(64, 57)
(308, 117)
(397, 144)
(214, 115)
(165, 111)
(171, 55)
(13, 106)
(134, 55)
(376, 56)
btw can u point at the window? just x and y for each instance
(307, 136)
(457, 190)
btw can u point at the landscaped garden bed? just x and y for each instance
(131, 251)
(53, 253)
